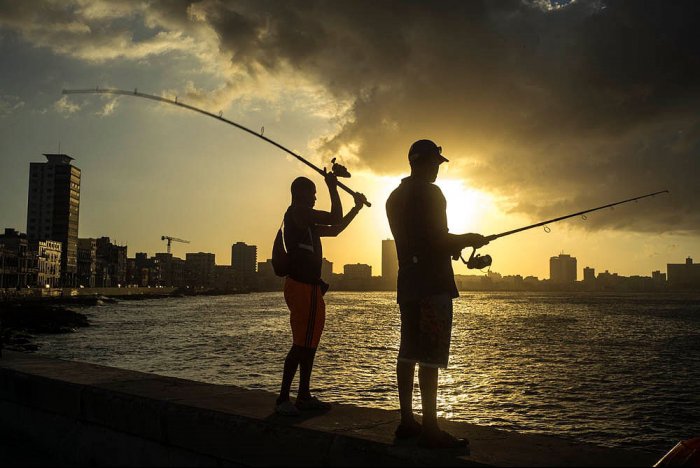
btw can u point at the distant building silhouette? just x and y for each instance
(390, 262)
(326, 269)
(267, 279)
(16, 265)
(167, 270)
(200, 269)
(684, 275)
(225, 278)
(244, 258)
(141, 272)
(562, 269)
(588, 274)
(110, 265)
(87, 262)
(658, 277)
(53, 209)
(357, 271)
(356, 277)
(48, 263)
(609, 280)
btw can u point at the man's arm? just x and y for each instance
(334, 230)
(335, 216)
(436, 219)
(460, 242)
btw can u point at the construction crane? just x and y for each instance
(173, 239)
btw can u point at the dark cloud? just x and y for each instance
(556, 108)
(557, 105)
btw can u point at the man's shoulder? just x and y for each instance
(415, 188)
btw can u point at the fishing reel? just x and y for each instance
(477, 261)
(339, 170)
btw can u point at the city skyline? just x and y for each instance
(523, 146)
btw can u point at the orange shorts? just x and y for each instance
(307, 312)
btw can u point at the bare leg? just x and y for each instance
(306, 365)
(405, 372)
(428, 381)
(432, 436)
(290, 368)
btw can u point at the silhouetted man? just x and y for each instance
(303, 287)
(425, 289)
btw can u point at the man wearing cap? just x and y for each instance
(418, 219)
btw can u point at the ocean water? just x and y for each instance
(618, 370)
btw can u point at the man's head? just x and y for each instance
(425, 158)
(304, 192)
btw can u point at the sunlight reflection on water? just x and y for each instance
(615, 370)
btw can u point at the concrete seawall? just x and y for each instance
(87, 414)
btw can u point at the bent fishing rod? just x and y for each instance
(337, 169)
(482, 261)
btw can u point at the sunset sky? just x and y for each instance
(543, 108)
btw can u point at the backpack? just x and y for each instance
(280, 256)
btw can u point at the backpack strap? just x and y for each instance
(310, 245)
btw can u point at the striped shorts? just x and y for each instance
(307, 312)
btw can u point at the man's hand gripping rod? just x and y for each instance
(479, 262)
(175, 102)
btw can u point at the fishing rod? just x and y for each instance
(337, 169)
(482, 261)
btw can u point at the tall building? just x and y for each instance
(684, 275)
(562, 269)
(390, 261)
(588, 274)
(244, 259)
(53, 209)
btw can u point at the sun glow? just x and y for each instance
(466, 207)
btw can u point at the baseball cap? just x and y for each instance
(424, 149)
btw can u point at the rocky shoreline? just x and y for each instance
(22, 318)
(20, 322)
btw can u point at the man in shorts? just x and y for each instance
(417, 216)
(303, 288)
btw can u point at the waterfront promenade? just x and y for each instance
(87, 414)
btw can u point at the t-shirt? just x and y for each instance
(303, 245)
(418, 219)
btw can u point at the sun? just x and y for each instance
(466, 207)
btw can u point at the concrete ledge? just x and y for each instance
(96, 415)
